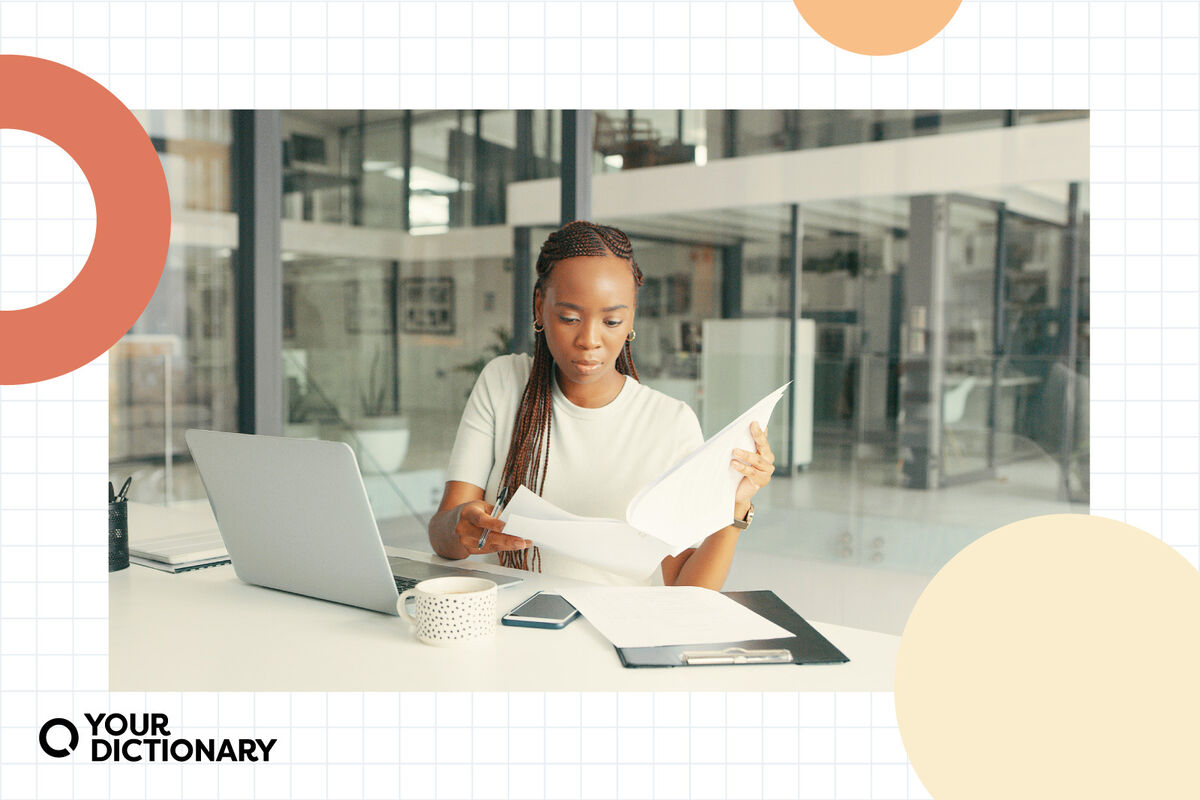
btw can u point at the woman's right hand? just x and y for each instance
(472, 519)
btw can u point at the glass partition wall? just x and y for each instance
(423, 172)
(713, 310)
(175, 368)
(383, 354)
(849, 504)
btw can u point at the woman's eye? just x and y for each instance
(569, 319)
(613, 323)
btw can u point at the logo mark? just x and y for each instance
(44, 737)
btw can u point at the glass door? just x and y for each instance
(968, 441)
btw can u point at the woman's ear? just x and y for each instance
(537, 305)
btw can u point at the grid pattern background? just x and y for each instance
(1136, 64)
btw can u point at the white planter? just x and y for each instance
(380, 443)
(302, 430)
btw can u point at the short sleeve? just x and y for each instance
(473, 455)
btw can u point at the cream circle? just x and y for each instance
(1055, 657)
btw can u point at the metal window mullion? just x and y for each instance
(999, 332)
(1067, 443)
(522, 273)
(522, 265)
(731, 280)
(577, 134)
(258, 270)
(795, 274)
(406, 157)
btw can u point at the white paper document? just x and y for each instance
(695, 497)
(609, 544)
(689, 501)
(656, 616)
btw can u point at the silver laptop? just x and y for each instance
(294, 515)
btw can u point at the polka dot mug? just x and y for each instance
(451, 611)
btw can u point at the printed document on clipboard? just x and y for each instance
(689, 501)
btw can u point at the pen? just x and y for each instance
(112, 495)
(124, 489)
(496, 509)
(737, 655)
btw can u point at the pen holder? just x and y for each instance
(118, 535)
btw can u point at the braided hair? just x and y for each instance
(529, 449)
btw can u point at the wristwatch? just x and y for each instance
(742, 524)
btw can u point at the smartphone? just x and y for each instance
(542, 611)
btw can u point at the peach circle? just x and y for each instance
(877, 27)
(1055, 657)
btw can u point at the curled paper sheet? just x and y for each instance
(695, 497)
(691, 500)
(608, 544)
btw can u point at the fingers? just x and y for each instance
(757, 476)
(489, 522)
(761, 462)
(756, 460)
(501, 541)
(760, 441)
(757, 466)
(480, 519)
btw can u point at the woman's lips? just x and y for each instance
(587, 367)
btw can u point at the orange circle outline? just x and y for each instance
(133, 219)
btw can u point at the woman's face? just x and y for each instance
(587, 309)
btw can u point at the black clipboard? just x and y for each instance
(807, 646)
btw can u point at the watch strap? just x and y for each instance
(742, 524)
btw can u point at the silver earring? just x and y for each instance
(632, 335)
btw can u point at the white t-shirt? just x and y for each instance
(599, 457)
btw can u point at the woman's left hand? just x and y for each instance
(757, 467)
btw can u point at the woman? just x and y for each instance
(579, 398)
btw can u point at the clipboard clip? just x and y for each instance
(736, 655)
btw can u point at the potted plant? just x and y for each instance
(502, 344)
(380, 436)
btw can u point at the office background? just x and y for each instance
(923, 276)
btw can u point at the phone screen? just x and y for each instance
(544, 606)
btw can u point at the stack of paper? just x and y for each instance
(174, 540)
(657, 616)
(686, 503)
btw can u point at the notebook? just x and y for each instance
(193, 540)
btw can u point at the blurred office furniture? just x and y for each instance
(325, 190)
(148, 407)
(954, 406)
(744, 359)
(638, 142)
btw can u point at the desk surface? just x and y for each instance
(208, 631)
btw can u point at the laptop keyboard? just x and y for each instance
(403, 584)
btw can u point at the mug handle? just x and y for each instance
(402, 606)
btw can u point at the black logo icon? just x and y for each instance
(44, 739)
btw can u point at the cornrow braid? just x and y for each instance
(529, 450)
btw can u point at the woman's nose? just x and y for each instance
(589, 336)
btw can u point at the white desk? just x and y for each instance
(208, 631)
